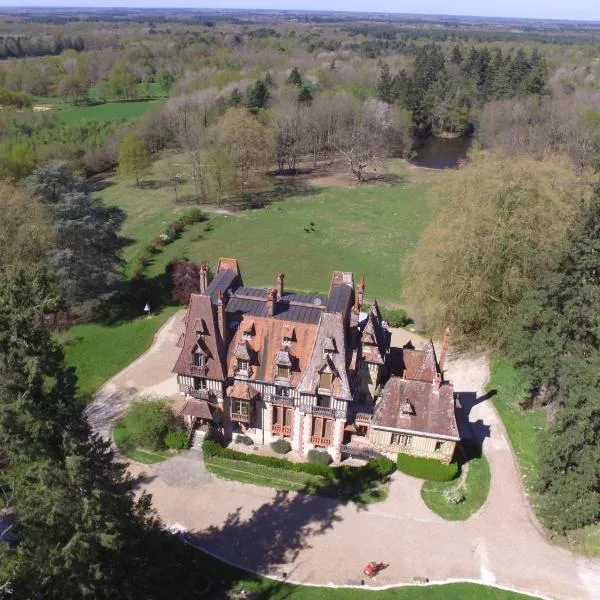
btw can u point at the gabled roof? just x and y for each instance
(375, 337)
(242, 391)
(197, 408)
(420, 365)
(201, 328)
(431, 408)
(331, 326)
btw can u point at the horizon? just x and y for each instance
(578, 11)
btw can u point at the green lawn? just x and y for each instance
(365, 230)
(523, 426)
(259, 474)
(100, 351)
(141, 455)
(110, 111)
(475, 490)
(280, 479)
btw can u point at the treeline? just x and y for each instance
(442, 91)
(20, 47)
(510, 260)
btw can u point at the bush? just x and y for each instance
(454, 496)
(281, 446)
(396, 317)
(244, 439)
(176, 439)
(319, 457)
(427, 468)
(382, 466)
(147, 423)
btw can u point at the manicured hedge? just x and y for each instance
(381, 467)
(426, 468)
(281, 446)
(319, 457)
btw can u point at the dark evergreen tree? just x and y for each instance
(556, 339)
(257, 97)
(385, 85)
(86, 258)
(81, 532)
(456, 56)
(295, 77)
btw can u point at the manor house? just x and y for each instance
(313, 369)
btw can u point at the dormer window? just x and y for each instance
(329, 347)
(243, 366)
(286, 340)
(325, 380)
(198, 360)
(283, 372)
(247, 330)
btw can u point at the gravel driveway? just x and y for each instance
(317, 540)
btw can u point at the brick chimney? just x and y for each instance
(280, 277)
(271, 301)
(203, 278)
(222, 316)
(445, 344)
(360, 291)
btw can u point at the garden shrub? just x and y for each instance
(319, 457)
(427, 468)
(382, 466)
(454, 495)
(395, 317)
(244, 439)
(176, 439)
(281, 446)
(147, 423)
(376, 468)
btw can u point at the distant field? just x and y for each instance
(106, 112)
(364, 229)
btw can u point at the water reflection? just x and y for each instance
(439, 153)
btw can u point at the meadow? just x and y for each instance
(365, 229)
(109, 111)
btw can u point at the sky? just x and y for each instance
(588, 10)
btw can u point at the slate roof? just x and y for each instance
(375, 339)
(225, 281)
(201, 330)
(432, 408)
(331, 326)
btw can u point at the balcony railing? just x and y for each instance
(196, 370)
(201, 394)
(363, 417)
(240, 417)
(322, 411)
(285, 400)
(282, 429)
(320, 441)
(359, 452)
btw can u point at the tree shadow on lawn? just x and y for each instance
(131, 298)
(281, 189)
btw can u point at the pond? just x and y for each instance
(440, 153)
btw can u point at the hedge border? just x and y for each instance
(383, 466)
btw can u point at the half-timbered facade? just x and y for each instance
(271, 364)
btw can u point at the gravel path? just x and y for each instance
(317, 540)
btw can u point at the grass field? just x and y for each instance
(100, 351)
(475, 490)
(523, 426)
(364, 229)
(281, 479)
(110, 111)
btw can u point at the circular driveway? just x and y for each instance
(321, 541)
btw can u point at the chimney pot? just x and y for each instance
(271, 301)
(280, 277)
(203, 278)
(360, 292)
(445, 345)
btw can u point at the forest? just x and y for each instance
(131, 140)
